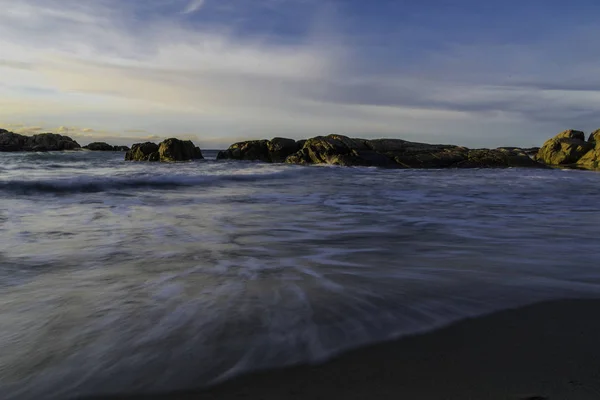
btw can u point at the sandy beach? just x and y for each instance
(544, 351)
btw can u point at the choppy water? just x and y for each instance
(135, 277)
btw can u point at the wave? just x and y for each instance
(95, 184)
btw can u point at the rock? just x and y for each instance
(591, 159)
(102, 146)
(594, 137)
(332, 149)
(280, 148)
(274, 150)
(397, 153)
(564, 149)
(531, 151)
(254, 150)
(167, 151)
(52, 142)
(387, 153)
(498, 158)
(10, 141)
(178, 150)
(99, 146)
(143, 152)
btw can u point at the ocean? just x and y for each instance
(122, 277)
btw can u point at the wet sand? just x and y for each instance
(545, 351)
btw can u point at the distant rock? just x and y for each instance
(274, 150)
(143, 152)
(281, 148)
(387, 153)
(564, 149)
(530, 151)
(10, 141)
(178, 150)
(102, 146)
(167, 151)
(252, 150)
(99, 146)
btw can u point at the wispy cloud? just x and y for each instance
(193, 6)
(136, 69)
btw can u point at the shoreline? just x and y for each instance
(547, 350)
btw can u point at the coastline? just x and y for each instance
(543, 351)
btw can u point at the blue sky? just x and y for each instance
(467, 72)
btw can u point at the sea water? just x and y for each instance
(125, 277)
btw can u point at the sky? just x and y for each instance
(474, 73)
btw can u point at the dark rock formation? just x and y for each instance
(253, 150)
(281, 148)
(388, 153)
(10, 141)
(143, 152)
(275, 150)
(168, 151)
(99, 146)
(178, 150)
(102, 146)
(564, 149)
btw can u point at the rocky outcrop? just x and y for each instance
(594, 138)
(102, 146)
(530, 151)
(569, 149)
(564, 149)
(281, 148)
(387, 153)
(167, 151)
(274, 150)
(591, 159)
(143, 152)
(178, 150)
(10, 141)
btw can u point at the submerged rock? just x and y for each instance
(167, 151)
(387, 153)
(10, 141)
